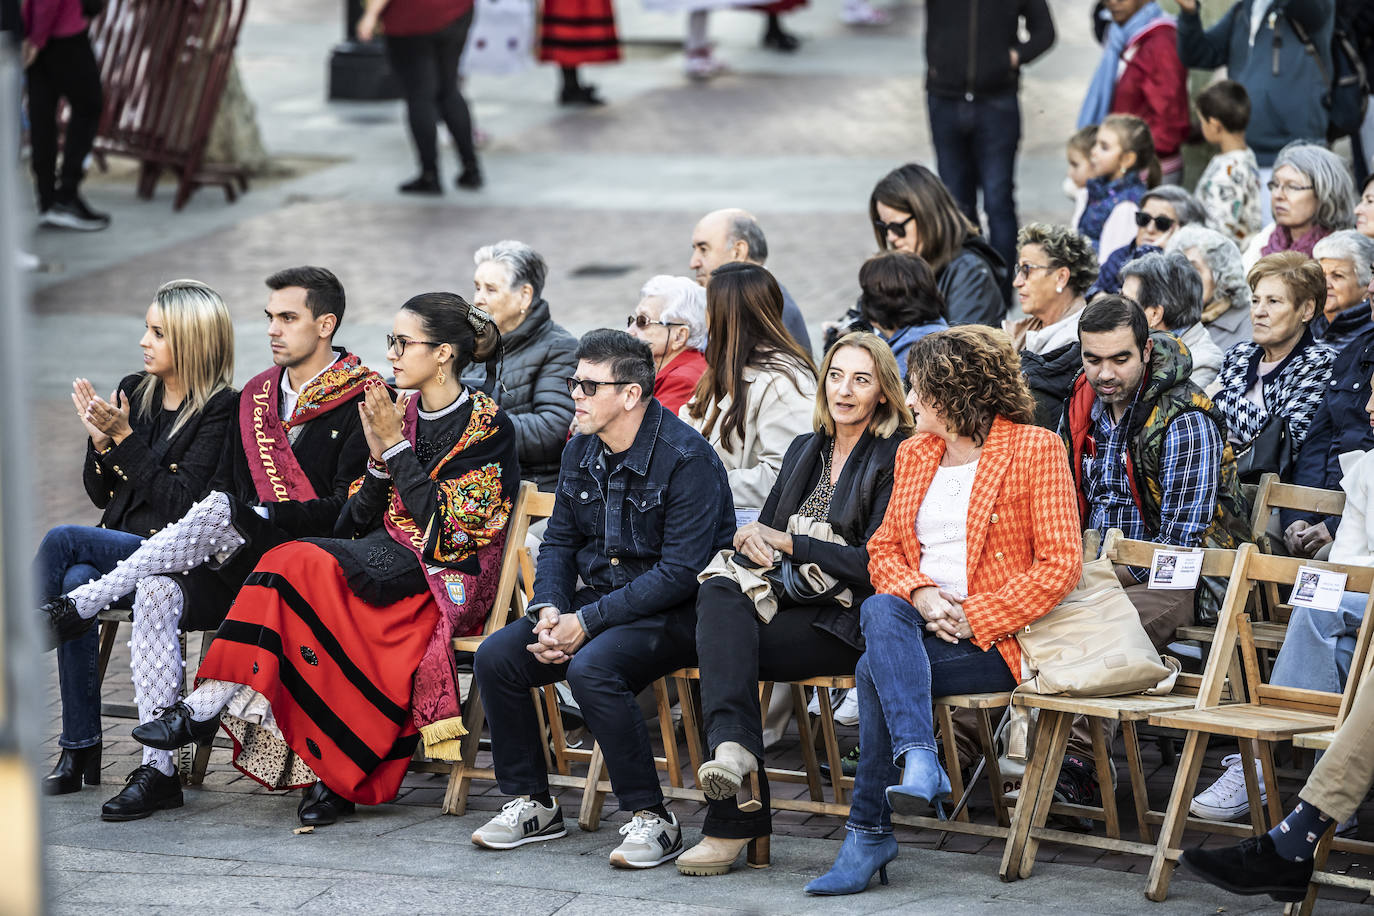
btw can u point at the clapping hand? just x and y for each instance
(381, 418)
(107, 422)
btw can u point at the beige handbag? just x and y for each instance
(1091, 644)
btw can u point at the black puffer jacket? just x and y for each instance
(856, 511)
(1050, 379)
(534, 392)
(972, 285)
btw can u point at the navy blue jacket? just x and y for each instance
(1340, 425)
(1284, 81)
(638, 535)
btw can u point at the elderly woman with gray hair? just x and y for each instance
(538, 355)
(1313, 196)
(1282, 374)
(671, 319)
(1170, 292)
(1162, 212)
(1347, 260)
(1225, 294)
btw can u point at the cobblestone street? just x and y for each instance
(609, 197)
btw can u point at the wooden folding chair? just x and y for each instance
(510, 602)
(1269, 715)
(1056, 715)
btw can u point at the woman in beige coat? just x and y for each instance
(759, 387)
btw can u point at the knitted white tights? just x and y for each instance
(155, 656)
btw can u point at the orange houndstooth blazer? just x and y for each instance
(1025, 546)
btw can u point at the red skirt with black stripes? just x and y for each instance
(336, 671)
(574, 32)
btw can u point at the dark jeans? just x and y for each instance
(903, 668)
(64, 69)
(605, 676)
(427, 67)
(735, 652)
(975, 147)
(72, 555)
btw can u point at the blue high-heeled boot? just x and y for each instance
(924, 783)
(860, 856)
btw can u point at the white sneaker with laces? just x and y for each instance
(649, 841)
(522, 820)
(847, 713)
(1226, 799)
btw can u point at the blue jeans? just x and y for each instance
(72, 555)
(1319, 646)
(903, 667)
(975, 147)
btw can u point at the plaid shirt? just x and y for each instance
(1191, 462)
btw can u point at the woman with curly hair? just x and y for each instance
(981, 537)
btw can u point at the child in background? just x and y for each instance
(1230, 187)
(1122, 150)
(1079, 151)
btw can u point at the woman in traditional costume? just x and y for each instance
(336, 659)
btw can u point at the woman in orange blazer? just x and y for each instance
(981, 537)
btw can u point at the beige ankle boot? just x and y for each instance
(716, 855)
(722, 777)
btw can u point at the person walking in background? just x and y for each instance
(60, 64)
(974, 57)
(424, 42)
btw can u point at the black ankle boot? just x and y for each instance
(320, 806)
(147, 790)
(64, 623)
(74, 766)
(176, 728)
(425, 183)
(470, 179)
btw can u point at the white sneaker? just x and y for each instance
(649, 841)
(847, 713)
(522, 820)
(1226, 799)
(704, 65)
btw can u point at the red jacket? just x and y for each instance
(1154, 87)
(44, 19)
(1025, 547)
(675, 382)
(401, 18)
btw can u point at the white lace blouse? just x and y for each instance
(942, 527)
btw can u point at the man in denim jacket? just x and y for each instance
(642, 505)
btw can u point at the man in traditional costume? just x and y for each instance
(336, 658)
(287, 465)
(643, 503)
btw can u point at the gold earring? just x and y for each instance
(442, 378)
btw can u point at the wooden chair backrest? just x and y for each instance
(1124, 551)
(516, 584)
(1233, 634)
(1275, 495)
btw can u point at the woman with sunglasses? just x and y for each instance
(336, 660)
(1163, 211)
(508, 284)
(756, 394)
(913, 211)
(671, 319)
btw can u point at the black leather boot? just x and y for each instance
(175, 728)
(64, 623)
(147, 790)
(74, 766)
(321, 806)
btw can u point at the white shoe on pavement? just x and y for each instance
(702, 64)
(1226, 799)
(522, 820)
(649, 841)
(847, 713)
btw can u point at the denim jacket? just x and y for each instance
(638, 536)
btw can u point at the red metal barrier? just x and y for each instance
(164, 65)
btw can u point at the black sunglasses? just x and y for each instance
(643, 321)
(898, 228)
(1162, 223)
(589, 386)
